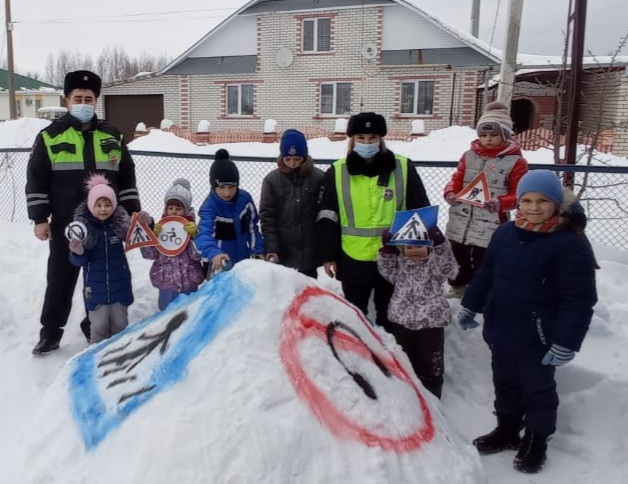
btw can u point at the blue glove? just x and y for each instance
(558, 355)
(466, 319)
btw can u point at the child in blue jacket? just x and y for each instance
(106, 276)
(229, 226)
(536, 288)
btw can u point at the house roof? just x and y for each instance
(22, 82)
(467, 39)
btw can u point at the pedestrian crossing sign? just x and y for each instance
(410, 227)
(139, 234)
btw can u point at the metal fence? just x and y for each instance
(603, 191)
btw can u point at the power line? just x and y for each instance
(124, 18)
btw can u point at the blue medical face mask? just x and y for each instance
(366, 150)
(83, 112)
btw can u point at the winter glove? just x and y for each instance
(157, 229)
(436, 236)
(492, 205)
(450, 198)
(558, 355)
(76, 246)
(466, 319)
(191, 229)
(387, 249)
(145, 217)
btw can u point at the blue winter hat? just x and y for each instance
(293, 143)
(541, 181)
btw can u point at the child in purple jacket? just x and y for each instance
(182, 273)
(418, 310)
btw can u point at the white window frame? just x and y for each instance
(334, 101)
(415, 104)
(239, 109)
(316, 32)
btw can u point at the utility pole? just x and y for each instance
(578, 17)
(509, 59)
(9, 27)
(475, 18)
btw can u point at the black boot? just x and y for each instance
(531, 455)
(86, 329)
(48, 340)
(504, 437)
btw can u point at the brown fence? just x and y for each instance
(536, 138)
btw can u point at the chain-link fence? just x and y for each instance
(603, 191)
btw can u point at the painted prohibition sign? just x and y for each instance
(298, 327)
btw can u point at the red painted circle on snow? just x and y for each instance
(296, 327)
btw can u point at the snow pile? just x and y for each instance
(225, 387)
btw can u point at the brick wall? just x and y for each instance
(620, 145)
(290, 95)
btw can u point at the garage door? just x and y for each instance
(124, 112)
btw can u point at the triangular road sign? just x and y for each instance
(477, 192)
(139, 234)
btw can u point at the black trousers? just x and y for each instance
(424, 348)
(61, 281)
(360, 294)
(469, 259)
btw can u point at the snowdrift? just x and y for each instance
(262, 376)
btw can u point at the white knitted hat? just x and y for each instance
(180, 191)
(496, 118)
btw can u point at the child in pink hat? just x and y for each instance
(106, 276)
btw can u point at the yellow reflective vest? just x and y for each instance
(366, 209)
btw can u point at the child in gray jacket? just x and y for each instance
(418, 308)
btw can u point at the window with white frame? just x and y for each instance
(417, 97)
(336, 98)
(240, 99)
(316, 34)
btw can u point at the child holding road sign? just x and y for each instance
(482, 191)
(100, 252)
(418, 310)
(178, 269)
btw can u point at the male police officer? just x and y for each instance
(63, 156)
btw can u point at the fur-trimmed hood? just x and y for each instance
(118, 222)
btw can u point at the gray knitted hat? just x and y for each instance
(180, 191)
(497, 119)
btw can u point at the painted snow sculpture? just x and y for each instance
(261, 376)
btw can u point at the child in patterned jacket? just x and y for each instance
(418, 309)
(182, 273)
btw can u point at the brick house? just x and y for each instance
(307, 63)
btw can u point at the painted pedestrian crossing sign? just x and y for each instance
(477, 192)
(139, 234)
(410, 227)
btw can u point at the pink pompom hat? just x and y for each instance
(99, 187)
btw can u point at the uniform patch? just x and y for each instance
(388, 194)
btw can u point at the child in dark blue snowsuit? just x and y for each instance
(229, 226)
(536, 288)
(106, 276)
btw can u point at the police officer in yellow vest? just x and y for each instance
(63, 156)
(358, 201)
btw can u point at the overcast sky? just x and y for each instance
(165, 27)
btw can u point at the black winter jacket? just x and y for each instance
(349, 269)
(288, 208)
(58, 193)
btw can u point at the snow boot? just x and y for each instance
(504, 437)
(48, 340)
(531, 455)
(86, 329)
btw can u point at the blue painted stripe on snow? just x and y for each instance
(225, 297)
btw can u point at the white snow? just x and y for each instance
(235, 417)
